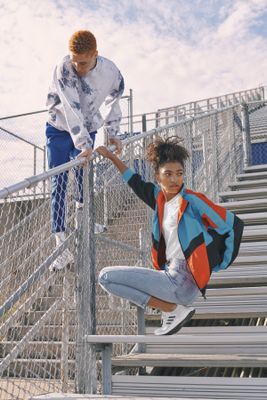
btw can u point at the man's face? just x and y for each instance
(83, 63)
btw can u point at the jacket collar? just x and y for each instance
(161, 201)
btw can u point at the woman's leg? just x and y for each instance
(141, 286)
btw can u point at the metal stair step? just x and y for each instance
(246, 206)
(191, 387)
(254, 218)
(240, 275)
(256, 168)
(248, 184)
(252, 176)
(253, 248)
(245, 194)
(254, 233)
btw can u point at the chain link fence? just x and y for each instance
(45, 314)
(22, 137)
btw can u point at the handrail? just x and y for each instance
(22, 139)
(28, 182)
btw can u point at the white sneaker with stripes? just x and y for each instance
(173, 321)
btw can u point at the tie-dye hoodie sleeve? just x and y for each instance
(113, 117)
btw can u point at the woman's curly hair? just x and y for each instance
(162, 151)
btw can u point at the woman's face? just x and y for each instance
(170, 177)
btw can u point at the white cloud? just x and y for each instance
(170, 51)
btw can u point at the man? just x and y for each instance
(81, 83)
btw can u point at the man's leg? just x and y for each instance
(59, 144)
(58, 149)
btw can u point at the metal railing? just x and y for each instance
(21, 133)
(164, 116)
(46, 315)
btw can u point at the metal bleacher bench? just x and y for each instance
(236, 348)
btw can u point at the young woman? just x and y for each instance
(191, 237)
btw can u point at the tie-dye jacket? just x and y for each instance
(209, 235)
(73, 102)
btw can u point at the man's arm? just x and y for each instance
(113, 118)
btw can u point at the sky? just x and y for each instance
(169, 51)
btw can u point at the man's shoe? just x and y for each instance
(173, 321)
(62, 261)
(100, 228)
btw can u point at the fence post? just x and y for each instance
(44, 168)
(85, 358)
(215, 178)
(144, 123)
(131, 112)
(65, 333)
(140, 312)
(205, 161)
(189, 145)
(246, 135)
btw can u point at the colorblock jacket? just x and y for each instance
(209, 235)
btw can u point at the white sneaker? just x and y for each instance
(174, 320)
(100, 228)
(62, 261)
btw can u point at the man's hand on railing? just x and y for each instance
(86, 154)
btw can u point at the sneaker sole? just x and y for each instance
(178, 327)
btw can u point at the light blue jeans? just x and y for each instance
(175, 284)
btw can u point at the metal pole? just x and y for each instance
(86, 362)
(44, 168)
(246, 135)
(190, 182)
(157, 120)
(215, 179)
(34, 160)
(144, 123)
(205, 162)
(65, 333)
(131, 111)
(141, 329)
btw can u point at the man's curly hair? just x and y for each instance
(82, 42)
(162, 151)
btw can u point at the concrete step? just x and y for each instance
(249, 194)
